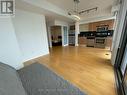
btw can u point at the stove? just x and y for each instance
(100, 42)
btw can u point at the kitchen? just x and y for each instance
(97, 34)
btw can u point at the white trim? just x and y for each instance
(76, 44)
(49, 36)
(34, 57)
(65, 45)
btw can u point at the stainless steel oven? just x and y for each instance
(100, 42)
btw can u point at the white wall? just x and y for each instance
(61, 23)
(119, 29)
(9, 50)
(31, 33)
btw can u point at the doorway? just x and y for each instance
(56, 36)
(59, 35)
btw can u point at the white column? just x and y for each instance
(49, 36)
(62, 32)
(76, 33)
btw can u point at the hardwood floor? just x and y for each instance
(87, 68)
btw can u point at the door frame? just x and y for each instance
(120, 54)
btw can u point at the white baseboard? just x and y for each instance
(35, 57)
(76, 44)
(65, 45)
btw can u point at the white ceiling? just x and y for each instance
(50, 15)
(104, 6)
(58, 9)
